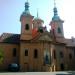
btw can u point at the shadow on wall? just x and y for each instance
(66, 73)
(63, 74)
(72, 72)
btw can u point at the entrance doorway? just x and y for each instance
(26, 67)
(62, 67)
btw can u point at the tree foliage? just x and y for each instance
(1, 56)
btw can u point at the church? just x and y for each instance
(35, 49)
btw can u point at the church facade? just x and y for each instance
(36, 49)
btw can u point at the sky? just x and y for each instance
(10, 11)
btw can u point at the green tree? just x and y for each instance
(1, 56)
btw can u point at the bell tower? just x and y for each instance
(57, 23)
(26, 20)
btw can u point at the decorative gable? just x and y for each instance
(45, 37)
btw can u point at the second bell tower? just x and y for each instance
(57, 24)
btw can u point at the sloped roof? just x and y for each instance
(70, 42)
(10, 38)
(47, 36)
(60, 40)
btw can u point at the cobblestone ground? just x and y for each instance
(38, 73)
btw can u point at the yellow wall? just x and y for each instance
(34, 64)
(8, 56)
(29, 63)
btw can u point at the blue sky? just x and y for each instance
(10, 11)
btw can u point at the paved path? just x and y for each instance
(38, 73)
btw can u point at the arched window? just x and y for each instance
(59, 30)
(54, 54)
(27, 26)
(70, 56)
(26, 52)
(14, 52)
(35, 53)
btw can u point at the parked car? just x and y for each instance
(13, 67)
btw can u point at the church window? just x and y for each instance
(70, 56)
(54, 53)
(14, 52)
(26, 52)
(27, 26)
(35, 53)
(59, 30)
